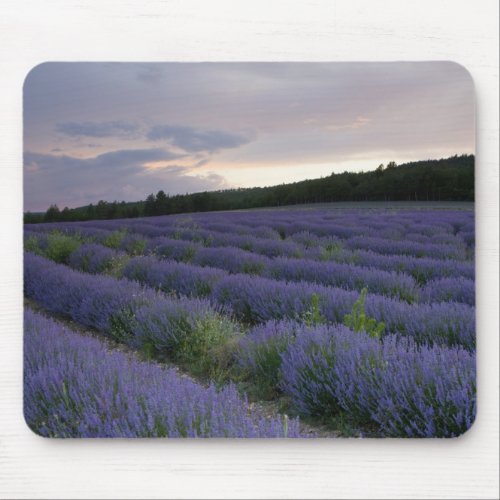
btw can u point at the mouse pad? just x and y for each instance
(268, 250)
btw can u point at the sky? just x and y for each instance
(120, 131)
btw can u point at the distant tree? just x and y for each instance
(341, 189)
(101, 210)
(52, 214)
(150, 205)
(31, 218)
(112, 210)
(161, 203)
(65, 214)
(133, 211)
(201, 202)
(90, 212)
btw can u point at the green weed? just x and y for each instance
(358, 321)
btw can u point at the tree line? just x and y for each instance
(449, 179)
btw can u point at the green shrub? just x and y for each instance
(117, 265)
(31, 245)
(313, 315)
(135, 246)
(209, 347)
(60, 247)
(115, 238)
(331, 251)
(358, 321)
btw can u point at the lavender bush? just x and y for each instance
(93, 258)
(347, 276)
(169, 248)
(407, 390)
(74, 386)
(255, 299)
(423, 269)
(457, 289)
(125, 310)
(259, 351)
(173, 277)
(232, 259)
(407, 248)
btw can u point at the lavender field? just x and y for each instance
(291, 322)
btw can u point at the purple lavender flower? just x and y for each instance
(74, 386)
(347, 276)
(173, 277)
(450, 289)
(92, 258)
(407, 390)
(254, 300)
(232, 259)
(170, 248)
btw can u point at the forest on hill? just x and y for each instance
(449, 179)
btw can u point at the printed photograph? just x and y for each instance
(249, 250)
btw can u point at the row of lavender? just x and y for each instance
(399, 285)
(263, 240)
(441, 280)
(419, 225)
(404, 388)
(349, 236)
(253, 299)
(96, 258)
(76, 387)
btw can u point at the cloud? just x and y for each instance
(133, 157)
(117, 175)
(194, 140)
(359, 122)
(201, 163)
(175, 169)
(114, 162)
(96, 129)
(303, 115)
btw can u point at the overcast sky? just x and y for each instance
(119, 131)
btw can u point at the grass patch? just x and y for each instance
(60, 246)
(115, 238)
(117, 265)
(209, 349)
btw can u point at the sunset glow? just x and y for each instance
(119, 131)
